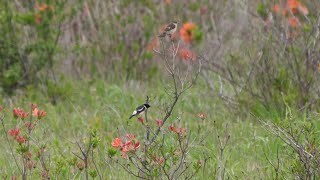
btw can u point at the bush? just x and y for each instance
(29, 39)
(163, 154)
(281, 61)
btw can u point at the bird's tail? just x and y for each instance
(131, 116)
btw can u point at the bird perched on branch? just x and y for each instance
(140, 110)
(169, 30)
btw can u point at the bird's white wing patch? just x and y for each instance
(134, 113)
(140, 109)
(170, 27)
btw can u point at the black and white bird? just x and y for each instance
(169, 30)
(139, 110)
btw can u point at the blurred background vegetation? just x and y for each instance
(92, 61)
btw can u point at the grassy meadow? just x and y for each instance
(251, 111)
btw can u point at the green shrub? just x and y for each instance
(29, 40)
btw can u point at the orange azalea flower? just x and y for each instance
(24, 115)
(35, 112)
(136, 145)
(202, 115)
(38, 113)
(33, 106)
(37, 18)
(14, 132)
(276, 8)
(18, 112)
(20, 139)
(141, 119)
(293, 5)
(41, 114)
(186, 32)
(185, 54)
(117, 143)
(127, 147)
(294, 22)
(173, 129)
(43, 7)
(159, 122)
(180, 131)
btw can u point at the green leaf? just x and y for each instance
(262, 10)
(112, 152)
(25, 19)
(197, 34)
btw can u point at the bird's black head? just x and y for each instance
(175, 22)
(147, 105)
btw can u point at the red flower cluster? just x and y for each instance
(159, 122)
(33, 106)
(38, 113)
(295, 6)
(294, 22)
(140, 119)
(15, 133)
(180, 131)
(20, 139)
(186, 54)
(37, 18)
(291, 8)
(129, 146)
(1, 108)
(202, 115)
(186, 32)
(18, 112)
(42, 8)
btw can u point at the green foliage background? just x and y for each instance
(87, 64)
